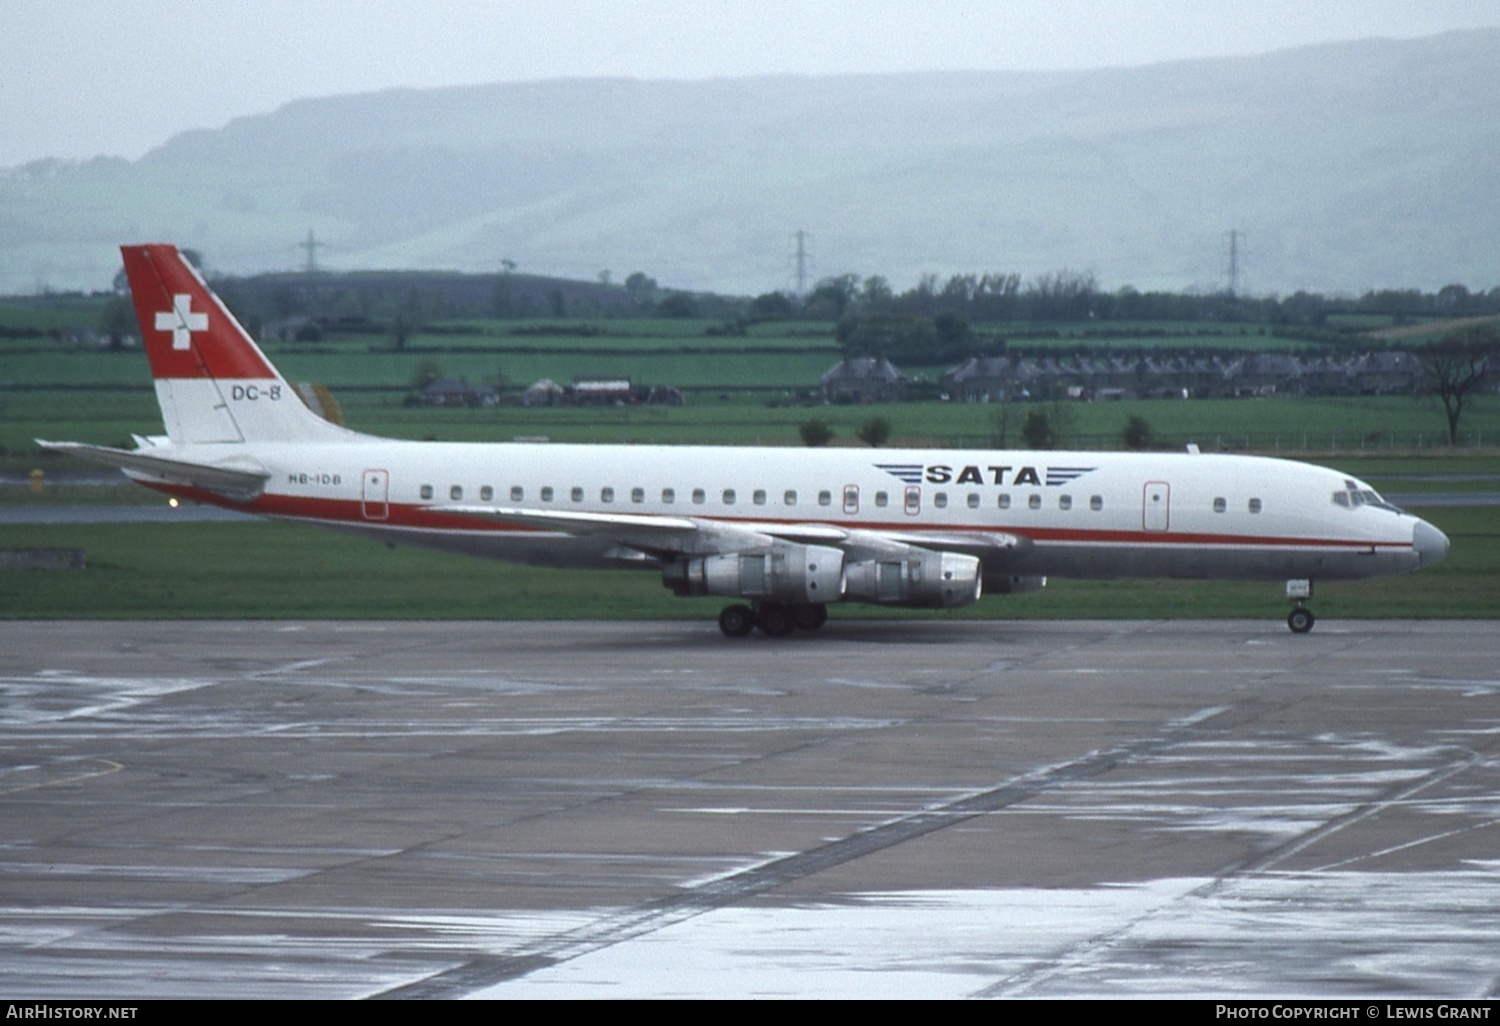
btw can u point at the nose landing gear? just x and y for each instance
(1300, 619)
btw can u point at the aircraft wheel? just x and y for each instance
(809, 616)
(1300, 620)
(736, 621)
(775, 620)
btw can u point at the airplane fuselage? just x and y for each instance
(1080, 514)
(788, 530)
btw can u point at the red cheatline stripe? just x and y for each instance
(351, 512)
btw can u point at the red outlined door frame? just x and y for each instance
(375, 495)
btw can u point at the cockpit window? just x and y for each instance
(1353, 496)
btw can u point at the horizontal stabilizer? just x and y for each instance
(233, 482)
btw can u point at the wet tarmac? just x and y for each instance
(914, 809)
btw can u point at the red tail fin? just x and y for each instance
(213, 383)
(187, 332)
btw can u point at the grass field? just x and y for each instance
(272, 570)
(54, 389)
(1288, 426)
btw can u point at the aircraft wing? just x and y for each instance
(659, 535)
(974, 543)
(241, 482)
(672, 535)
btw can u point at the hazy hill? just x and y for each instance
(1345, 167)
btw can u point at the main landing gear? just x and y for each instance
(775, 619)
(1300, 619)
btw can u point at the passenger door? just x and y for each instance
(1156, 506)
(375, 492)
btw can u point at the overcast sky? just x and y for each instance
(81, 78)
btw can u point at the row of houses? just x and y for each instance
(546, 392)
(993, 379)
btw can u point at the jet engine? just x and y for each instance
(915, 577)
(782, 572)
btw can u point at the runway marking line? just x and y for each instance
(110, 764)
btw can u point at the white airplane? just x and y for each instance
(785, 530)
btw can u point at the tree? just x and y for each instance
(117, 320)
(771, 306)
(1063, 295)
(893, 336)
(955, 338)
(815, 433)
(1000, 423)
(831, 298)
(677, 305)
(876, 295)
(641, 288)
(425, 373)
(1458, 364)
(874, 432)
(402, 327)
(408, 319)
(1137, 432)
(1036, 432)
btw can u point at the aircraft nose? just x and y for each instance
(1430, 543)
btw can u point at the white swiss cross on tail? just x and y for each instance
(181, 321)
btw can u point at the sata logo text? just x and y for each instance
(940, 474)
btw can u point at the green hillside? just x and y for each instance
(1346, 167)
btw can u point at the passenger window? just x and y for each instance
(547, 493)
(759, 498)
(851, 499)
(1035, 502)
(427, 492)
(700, 496)
(517, 493)
(1096, 502)
(606, 495)
(1004, 500)
(825, 498)
(486, 493)
(913, 500)
(1065, 502)
(728, 496)
(973, 500)
(1220, 505)
(940, 500)
(790, 498)
(577, 494)
(456, 492)
(668, 496)
(637, 495)
(882, 499)
(1254, 505)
